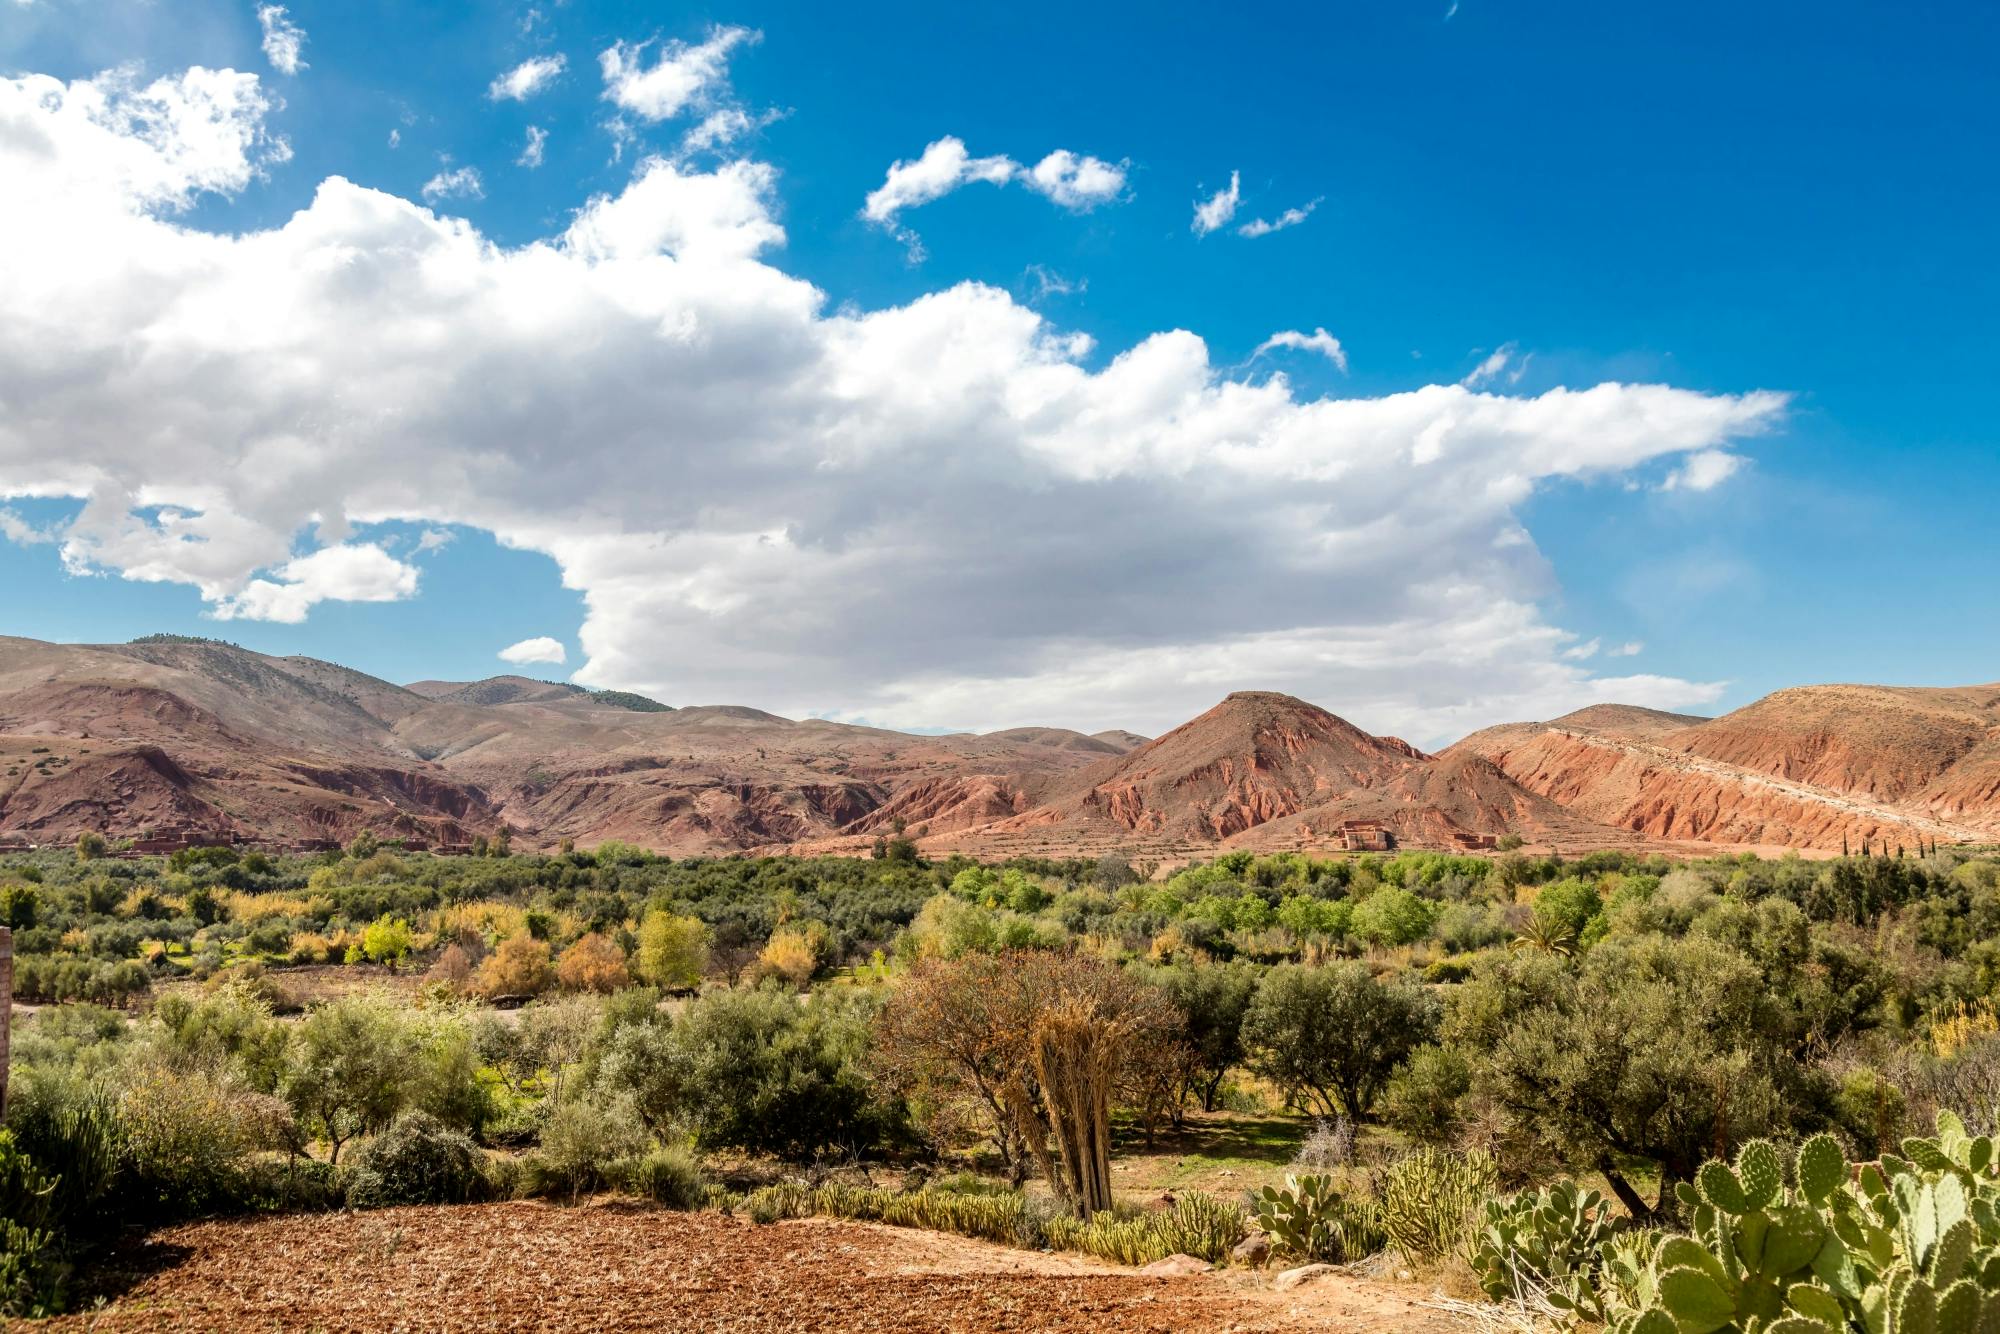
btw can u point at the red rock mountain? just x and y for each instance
(126, 738)
(1268, 771)
(1816, 767)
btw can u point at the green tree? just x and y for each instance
(1425, 1094)
(1393, 915)
(1568, 908)
(351, 1069)
(20, 905)
(90, 845)
(1212, 1000)
(1668, 1051)
(387, 939)
(673, 951)
(1330, 1036)
(1308, 917)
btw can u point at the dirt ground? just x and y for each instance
(617, 1266)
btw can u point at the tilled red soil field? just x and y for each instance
(616, 1267)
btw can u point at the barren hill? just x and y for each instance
(128, 738)
(1812, 767)
(175, 732)
(1254, 757)
(1267, 771)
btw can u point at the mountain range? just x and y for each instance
(171, 733)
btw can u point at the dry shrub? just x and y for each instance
(795, 954)
(312, 947)
(594, 963)
(1043, 1039)
(453, 970)
(520, 967)
(240, 906)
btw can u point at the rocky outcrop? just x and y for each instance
(1666, 789)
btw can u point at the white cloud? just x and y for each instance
(1703, 470)
(395, 138)
(1049, 283)
(685, 76)
(1583, 652)
(109, 142)
(20, 532)
(1489, 369)
(1291, 217)
(1077, 182)
(284, 40)
(531, 152)
(748, 486)
(434, 539)
(1630, 649)
(1215, 212)
(527, 78)
(944, 166)
(540, 649)
(360, 572)
(454, 183)
(1319, 340)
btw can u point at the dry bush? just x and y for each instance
(520, 967)
(593, 963)
(453, 970)
(794, 954)
(1043, 1039)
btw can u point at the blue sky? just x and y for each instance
(1722, 199)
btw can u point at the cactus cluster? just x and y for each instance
(1310, 1221)
(1907, 1246)
(1548, 1243)
(1432, 1201)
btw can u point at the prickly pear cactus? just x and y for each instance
(1547, 1242)
(1307, 1219)
(1907, 1246)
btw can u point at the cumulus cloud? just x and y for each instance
(458, 183)
(1704, 470)
(284, 40)
(1214, 213)
(434, 539)
(112, 142)
(1291, 217)
(686, 75)
(358, 572)
(944, 166)
(1630, 649)
(531, 152)
(527, 78)
(1319, 340)
(749, 486)
(539, 649)
(1078, 182)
